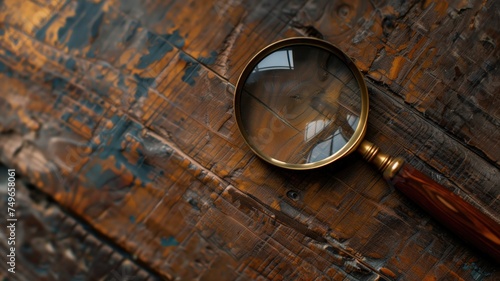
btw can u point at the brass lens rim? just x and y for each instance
(359, 133)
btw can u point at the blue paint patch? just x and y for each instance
(94, 173)
(10, 54)
(91, 54)
(175, 39)
(192, 68)
(132, 219)
(157, 50)
(210, 60)
(121, 82)
(58, 83)
(111, 146)
(65, 117)
(113, 138)
(41, 33)
(98, 109)
(142, 86)
(3, 67)
(85, 16)
(7, 70)
(99, 178)
(169, 241)
(71, 64)
(94, 30)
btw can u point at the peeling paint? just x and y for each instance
(71, 64)
(193, 66)
(169, 241)
(42, 32)
(191, 70)
(142, 85)
(78, 28)
(157, 50)
(112, 147)
(175, 39)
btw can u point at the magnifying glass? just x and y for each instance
(301, 103)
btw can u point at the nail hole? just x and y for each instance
(343, 10)
(292, 194)
(388, 25)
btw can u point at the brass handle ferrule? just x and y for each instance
(388, 165)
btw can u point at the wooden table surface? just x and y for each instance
(118, 118)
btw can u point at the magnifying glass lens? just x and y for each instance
(299, 104)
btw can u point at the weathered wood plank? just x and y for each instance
(156, 126)
(185, 208)
(50, 245)
(345, 227)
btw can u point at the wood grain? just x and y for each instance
(53, 245)
(122, 112)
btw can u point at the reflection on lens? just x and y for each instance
(300, 104)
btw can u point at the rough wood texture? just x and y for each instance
(121, 111)
(51, 245)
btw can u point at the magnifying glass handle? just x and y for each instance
(461, 217)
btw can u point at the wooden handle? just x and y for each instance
(461, 217)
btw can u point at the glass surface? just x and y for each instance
(300, 104)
